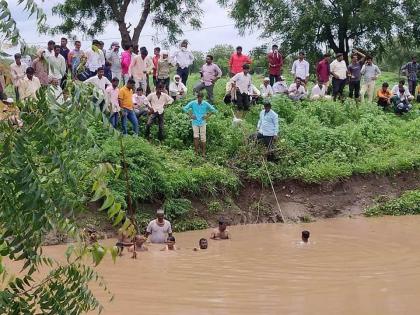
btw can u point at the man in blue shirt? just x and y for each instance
(200, 111)
(268, 125)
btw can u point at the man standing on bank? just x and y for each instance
(210, 73)
(200, 111)
(183, 59)
(275, 62)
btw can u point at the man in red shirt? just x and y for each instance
(323, 71)
(237, 60)
(155, 60)
(275, 62)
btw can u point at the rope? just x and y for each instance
(274, 192)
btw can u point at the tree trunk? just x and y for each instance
(125, 34)
(142, 22)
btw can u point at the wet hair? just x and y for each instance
(131, 81)
(210, 56)
(306, 234)
(100, 69)
(171, 239)
(202, 240)
(30, 70)
(402, 82)
(57, 46)
(115, 79)
(139, 89)
(385, 84)
(245, 66)
(239, 47)
(51, 42)
(222, 220)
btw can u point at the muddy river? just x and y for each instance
(352, 266)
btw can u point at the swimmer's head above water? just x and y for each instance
(203, 243)
(305, 236)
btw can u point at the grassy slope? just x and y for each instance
(408, 203)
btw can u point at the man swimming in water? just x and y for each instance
(202, 243)
(170, 244)
(305, 236)
(220, 233)
(140, 247)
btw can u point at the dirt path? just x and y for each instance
(300, 201)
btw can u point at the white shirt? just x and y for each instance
(94, 60)
(176, 88)
(158, 103)
(318, 91)
(140, 100)
(99, 83)
(56, 66)
(183, 58)
(396, 90)
(339, 68)
(300, 69)
(266, 91)
(112, 99)
(28, 88)
(297, 91)
(243, 82)
(17, 72)
(139, 67)
(159, 234)
(405, 96)
(280, 87)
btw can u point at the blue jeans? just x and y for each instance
(114, 119)
(127, 113)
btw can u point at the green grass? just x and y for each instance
(408, 203)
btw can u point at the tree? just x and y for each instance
(221, 54)
(91, 17)
(336, 24)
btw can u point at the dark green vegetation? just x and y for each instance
(408, 203)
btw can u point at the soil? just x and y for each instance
(299, 202)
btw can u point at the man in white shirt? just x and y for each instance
(338, 69)
(401, 85)
(280, 87)
(50, 49)
(113, 57)
(242, 81)
(177, 89)
(266, 89)
(159, 229)
(101, 83)
(29, 85)
(370, 73)
(157, 102)
(17, 72)
(141, 65)
(300, 68)
(183, 59)
(95, 58)
(57, 66)
(297, 91)
(401, 101)
(319, 92)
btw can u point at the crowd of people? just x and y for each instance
(122, 86)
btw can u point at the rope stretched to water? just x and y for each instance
(274, 192)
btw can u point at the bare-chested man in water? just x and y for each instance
(220, 233)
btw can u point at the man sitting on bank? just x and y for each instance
(297, 91)
(319, 92)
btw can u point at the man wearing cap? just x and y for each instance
(280, 87)
(159, 229)
(113, 57)
(339, 72)
(17, 71)
(275, 62)
(183, 59)
(266, 89)
(177, 89)
(29, 85)
(210, 73)
(300, 68)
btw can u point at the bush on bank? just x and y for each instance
(408, 203)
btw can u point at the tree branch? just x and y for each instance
(142, 21)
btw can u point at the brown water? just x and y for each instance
(353, 266)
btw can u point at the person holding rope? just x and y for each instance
(268, 126)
